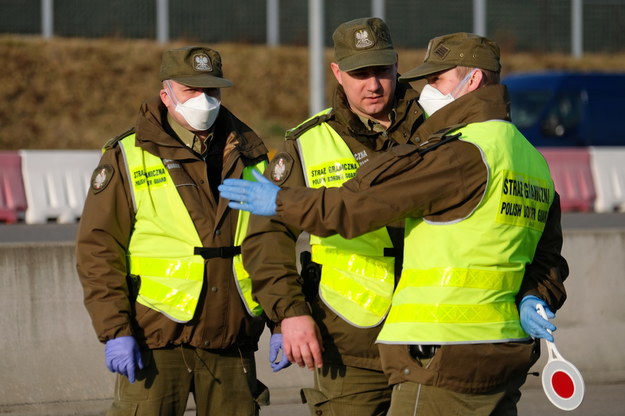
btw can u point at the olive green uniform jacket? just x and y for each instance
(269, 251)
(220, 320)
(444, 184)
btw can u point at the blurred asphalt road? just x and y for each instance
(599, 400)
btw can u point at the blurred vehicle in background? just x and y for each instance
(557, 108)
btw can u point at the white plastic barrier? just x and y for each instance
(572, 177)
(56, 183)
(608, 170)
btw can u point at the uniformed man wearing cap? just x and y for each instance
(158, 252)
(482, 244)
(330, 313)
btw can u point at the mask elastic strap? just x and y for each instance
(464, 81)
(170, 92)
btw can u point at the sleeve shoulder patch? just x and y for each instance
(280, 168)
(101, 177)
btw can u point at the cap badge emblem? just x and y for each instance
(202, 63)
(441, 51)
(362, 39)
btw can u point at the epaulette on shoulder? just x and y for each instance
(295, 132)
(112, 142)
(427, 147)
(444, 132)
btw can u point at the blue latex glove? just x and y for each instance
(275, 346)
(122, 356)
(532, 322)
(259, 198)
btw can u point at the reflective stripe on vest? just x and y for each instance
(460, 287)
(356, 279)
(161, 251)
(244, 282)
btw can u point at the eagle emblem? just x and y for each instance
(280, 167)
(362, 39)
(101, 177)
(279, 170)
(202, 63)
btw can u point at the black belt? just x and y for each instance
(213, 252)
(423, 351)
(392, 252)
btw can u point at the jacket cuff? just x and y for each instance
(298, 309)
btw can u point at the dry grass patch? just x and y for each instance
(77, 93)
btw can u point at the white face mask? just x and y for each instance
(200, 112)
(432, 100)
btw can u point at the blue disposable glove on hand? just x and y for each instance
(532, 322)
(122, 356)
(275, 346)
(259, 198)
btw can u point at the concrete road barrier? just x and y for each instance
(50, 354)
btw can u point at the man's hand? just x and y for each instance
(259, 198)
(275, 346)
(532, 322)
(122, 356)
(302, 341)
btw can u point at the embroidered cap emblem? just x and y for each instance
(202, 63)
(442, 51)
(362, 39)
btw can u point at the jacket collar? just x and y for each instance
(154, 134)
(487, 103)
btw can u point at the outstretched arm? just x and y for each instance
(259, 197)
(398, 184)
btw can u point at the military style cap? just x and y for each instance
(363, 42)
(194, 66)
(456, 49)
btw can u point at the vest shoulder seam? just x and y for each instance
(113, 141)
(296, 132)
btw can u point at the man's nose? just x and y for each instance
(373, 83)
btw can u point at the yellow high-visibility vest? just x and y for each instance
(162, 251)
(243, 277)
(356, 279)
(460, 287)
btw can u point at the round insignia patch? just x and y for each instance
(101, 177)
(280, 168)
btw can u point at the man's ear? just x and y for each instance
(476, 80)
(164, 98)
(336, 71)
